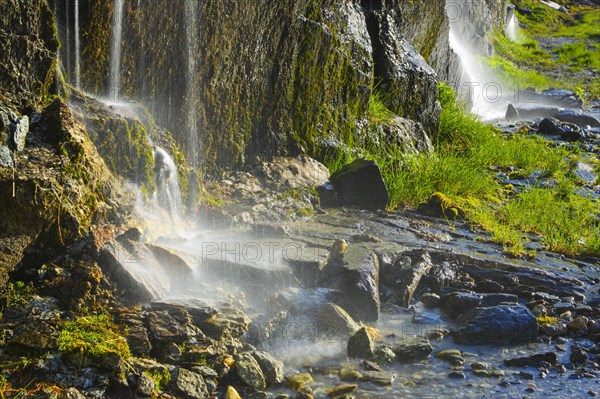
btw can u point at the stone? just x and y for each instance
(361, 184)
(383, 378)
(341, 390)
(500, 324)
(479, 366)
(578, 324)
(272, 368)
(283, 173)
(248, 370)
(350, 375)
(384, 354)
(360, 345)
(172, 325)
(6, 160)
(430, 300)
(446, 354)
(145, 386)
(531, 111)
(458, 303)
(335, 321)
(356, 277)
(19, 132)
(71, 393)
(457, 375)
(408, 275)
(231, 393)
(187, 384)
(578, 356)
(412, 349)
(535, 360)
(297, 381)
(554, 127)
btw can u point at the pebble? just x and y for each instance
(479, 366)
(578, 324)
(457, 375)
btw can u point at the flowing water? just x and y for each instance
(77, 48)
(168, 194)
(512, 29)
(115, 54)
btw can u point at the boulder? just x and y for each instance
(335, 321)
(186, 384)
(360, 345)
(531, 111)
(554, 127)
(383, 378)
(413, 349)
(356, 276)
(361, 184)
(498, 325)
(249, 372)
(284, 173)
(272, 368)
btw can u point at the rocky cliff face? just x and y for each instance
(240, 80)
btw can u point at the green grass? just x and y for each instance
(93, 336)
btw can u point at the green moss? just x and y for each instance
(93, 336)
(161, 378)
(96, 52)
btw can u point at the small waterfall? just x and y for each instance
(115, 54)
(480, 87)
(512, 29)
(77, 48)
(191, 22)
(168, 194)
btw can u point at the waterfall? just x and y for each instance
(167, 194)
(77, 47)
(115, 54)
(512, 29)
(480, 87)
(191, 90)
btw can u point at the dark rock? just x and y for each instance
(578, 356)
(360, 345)
(554, 127)
(578, 118)
(384, 354)
(187, 384)
(248, 371)
(361, 184)
(407, 273)
(458, 303)
(370, 366)
(328, 196)
(536, 360)
(512, 114)
(132, 234)
(71, 393)
(499, 324)
(457, 375)
(356, 277)
(531, 111)
(172, 325)
(413, 350)
(335, 321)
(272, 368)
(430, 300)
(6, 160)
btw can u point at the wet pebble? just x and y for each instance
(479, 366)
(457, 375)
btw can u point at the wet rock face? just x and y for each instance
(310, 53)
(28, 43)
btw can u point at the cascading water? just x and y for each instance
(191, 97)
(68, 38)
(115, 54)
(167, 194)
(77, 48)
(480, 87)
(512, 29)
